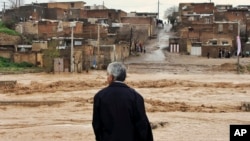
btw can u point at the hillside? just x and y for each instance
(8, 36)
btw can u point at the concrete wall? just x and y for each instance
(25, 57)
(110, 53)
(37, 46)
(214, 50)
(6, 54)
(39, 60)
(122, 52)
(29, 27)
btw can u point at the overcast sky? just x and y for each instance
(139, 5)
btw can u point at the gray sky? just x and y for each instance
(140, 5)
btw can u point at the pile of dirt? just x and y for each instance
(232, 67)
(160, 106)
(227, 67)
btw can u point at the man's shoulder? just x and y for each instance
(103, 90)
(137, 94)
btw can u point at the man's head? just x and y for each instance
(116, 72)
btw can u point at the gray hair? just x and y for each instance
(117, 70)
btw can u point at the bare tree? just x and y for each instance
(12, 3)
(15, 3)
(170, 14)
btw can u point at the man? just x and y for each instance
(119, 112)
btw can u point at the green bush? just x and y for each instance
(1, 25)
(24, 65)
(4, 29)
(8, 31)
(5, 62)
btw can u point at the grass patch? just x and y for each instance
(5, 62)
(9, 67)
(4, 29)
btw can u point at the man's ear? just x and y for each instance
(113, 78)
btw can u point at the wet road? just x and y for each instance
(154, 48)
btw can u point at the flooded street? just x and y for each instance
(154, 48)
(160, 45)
(187, 98)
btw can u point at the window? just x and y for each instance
(224, 42)
(190, 18)
(230, 27)
(207, 20)
(78, 43)
(110, 15)
(72, 5)
(220, 28)
(214, 42)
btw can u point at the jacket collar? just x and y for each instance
(118, 84)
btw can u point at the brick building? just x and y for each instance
(196, 13)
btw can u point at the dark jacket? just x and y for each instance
(119, 115)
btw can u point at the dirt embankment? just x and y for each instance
(9, 39)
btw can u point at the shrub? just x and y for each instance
(7, 63)
(4, 29)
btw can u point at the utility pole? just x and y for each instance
(3, 7)
(158, 10)
(238, 49)
(72, 25)
(131, 37)
(98, 46)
